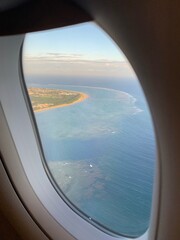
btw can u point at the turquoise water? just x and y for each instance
(101, 152)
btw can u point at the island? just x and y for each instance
(44, 98)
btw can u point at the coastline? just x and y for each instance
(81, 99)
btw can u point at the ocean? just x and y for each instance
(101, 152)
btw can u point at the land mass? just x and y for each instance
(44, 98)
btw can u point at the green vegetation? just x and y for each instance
(44, 98)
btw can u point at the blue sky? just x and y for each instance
(79, 50)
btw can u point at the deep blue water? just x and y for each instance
(102, 153)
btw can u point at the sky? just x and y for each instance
(78, 50)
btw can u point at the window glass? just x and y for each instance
(94, 125)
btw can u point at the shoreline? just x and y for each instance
(81, 99)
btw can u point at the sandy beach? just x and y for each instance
(82, 98)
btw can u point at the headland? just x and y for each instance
(43, 99)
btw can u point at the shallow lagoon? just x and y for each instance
(101, 152)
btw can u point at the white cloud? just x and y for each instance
(75, 65)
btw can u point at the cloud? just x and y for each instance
(75, 65)
(53, 57)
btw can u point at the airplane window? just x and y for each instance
(94, 125)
